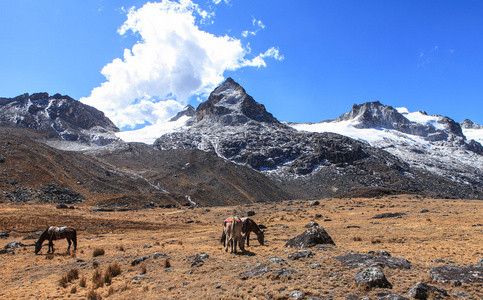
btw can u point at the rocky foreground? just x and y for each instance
(397, 247)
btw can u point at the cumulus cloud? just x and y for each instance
(173, 60)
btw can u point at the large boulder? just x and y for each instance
(422, 291)
(372, 277)
(311, 237)
(457, 274)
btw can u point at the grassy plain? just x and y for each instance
(450, 232)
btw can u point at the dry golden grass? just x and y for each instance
(446, 232)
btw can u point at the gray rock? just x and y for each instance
(300, 254)
(4, 235)
(357, 260)
(311, 224)
(138, 277)
(422, 291)
(14, 245)
(480, 263)
(389, 215)
(392, 297)
(456, 274)
(372, 277)
(284, 272)
(461, 294)
(311, 237)
(139, 260)
(275, 260)
(254, 272)
(296, 295)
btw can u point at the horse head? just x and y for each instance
(38, 246)
(261, 237)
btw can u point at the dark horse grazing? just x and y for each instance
(248, 226)
(56, 233)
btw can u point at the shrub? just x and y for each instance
(83, 281)
(97, 279)
(98, 252)
(73, 290)
(93, 295)
(114, 269)
(71, 275)
(167, 263)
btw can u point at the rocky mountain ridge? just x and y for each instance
(405, 152)
(322, 164)
(60, 116)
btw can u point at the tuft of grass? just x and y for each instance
(167, 263)
(73, 290)
(376, 240)
(110, 291)
(114, 269)
(180, 243)
(95, 264)
(49, 256)
(144, 269)
(83, 282)
(357, 239)
(98, 252)
(121, 248)
(107, 278)
(93, 295)
(71, 275)
(97, 279)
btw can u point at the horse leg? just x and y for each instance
(51, 246)
(248, 238)
(68, 241)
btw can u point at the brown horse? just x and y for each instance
(232, 230)
(250, 226)
(56, 233)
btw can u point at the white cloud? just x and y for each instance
(173, 61)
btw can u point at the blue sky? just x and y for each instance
(306, 61)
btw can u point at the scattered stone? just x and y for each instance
(250, 213)
(457, 274)
(314, 203)
(392, 297)
(189, 221)
(61, 206)
(300, 254)
(138, 277)
(255, 272)
(423, 211)
(14, 245)
(4, 235)
(311, 237)
(357, 260)
(315, 266)
(283, 272)
(422, 291)
(3, 251)
(157, 255)
(218, 286)
(311, 224)
(296, 295)
(147, 246)
(353, 226)
(197, 260)
(389, 215)
(139, 260)
(372, 277)
(460, 294)
(351, 297)
(380, 252)
(276, 260)
(480, 263)
(327, 220)
(318, 216)
(477, 225)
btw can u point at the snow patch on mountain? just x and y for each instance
(150, 133)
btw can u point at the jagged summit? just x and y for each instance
(188, 111)
(374, 114)
(468, 124)
(229, 104)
